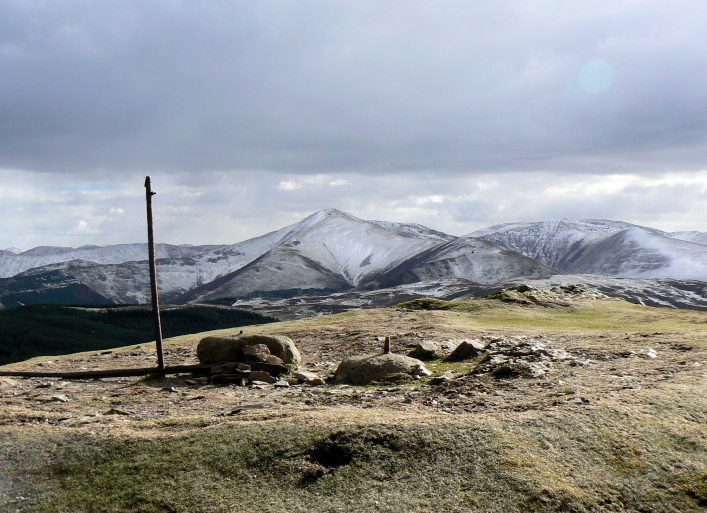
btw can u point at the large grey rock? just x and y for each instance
(222, 348)
(361, 370)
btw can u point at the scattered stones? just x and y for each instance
(362, 370)
(426, 350)
(520, 357)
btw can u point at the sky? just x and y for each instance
(249, 116)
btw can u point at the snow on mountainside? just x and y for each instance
(602, 247)
(635, 252)
(12, 264)
(696, 237)
(327, 250)
(331, 250)
(467, 258)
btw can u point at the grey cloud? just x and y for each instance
(369, 87)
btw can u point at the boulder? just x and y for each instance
(467, 349)
(426, 351)
(221, 348)
(361, 370)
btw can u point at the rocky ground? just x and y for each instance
(587, 356)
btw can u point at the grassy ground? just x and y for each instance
(586, 462)
(576, 440)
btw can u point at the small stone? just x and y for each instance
(438, 380)
(59, 398)
(116, 411)
(272, 369)
(316, 381)
(651, 353)
(261, 376)
(228, 379)
(273, 360)
(467, 349)
(426, 350)
(303, 375)
(281, 383)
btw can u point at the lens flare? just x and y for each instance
(596, 76)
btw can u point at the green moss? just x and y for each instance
(426, 304)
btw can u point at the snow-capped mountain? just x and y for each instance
(327, 250)
(466, 258)
(602, 247)
(12, 263)
(334, 251)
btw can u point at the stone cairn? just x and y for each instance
(252, 359)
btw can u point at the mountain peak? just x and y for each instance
(329, 212)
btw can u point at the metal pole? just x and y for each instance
(153, 277)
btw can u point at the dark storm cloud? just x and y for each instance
(360, 86)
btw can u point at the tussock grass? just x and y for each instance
(587, 461)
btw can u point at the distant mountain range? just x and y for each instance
(332, 251)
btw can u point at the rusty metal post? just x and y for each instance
(153, 277)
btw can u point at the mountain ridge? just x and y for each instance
(331, 250)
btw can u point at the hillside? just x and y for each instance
(608, 415)
(612, 248)
(37, 330)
